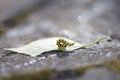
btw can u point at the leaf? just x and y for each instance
(49, 44)
(43, 45)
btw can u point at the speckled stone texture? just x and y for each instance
(75, 20)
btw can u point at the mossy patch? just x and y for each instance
(81, 70)
(2, 30)
(19, 18)
(41, 75)
(113, 65)
(22, 15)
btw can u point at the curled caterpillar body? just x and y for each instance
(62, 44)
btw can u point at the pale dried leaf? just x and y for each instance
(43, 45)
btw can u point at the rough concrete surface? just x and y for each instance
(82, 21)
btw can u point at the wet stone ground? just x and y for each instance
(75, 20)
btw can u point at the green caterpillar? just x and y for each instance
(62, 44)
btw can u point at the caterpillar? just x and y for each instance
(62, 44)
